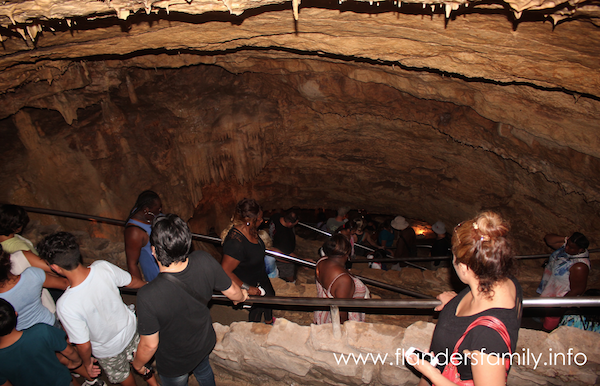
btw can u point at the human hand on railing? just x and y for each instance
(254, 291)
(244, 297)
(444, 297)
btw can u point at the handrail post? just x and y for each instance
(335, 322)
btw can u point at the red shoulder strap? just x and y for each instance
(493, 323)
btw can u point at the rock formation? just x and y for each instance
(310, 355)
(430, 110)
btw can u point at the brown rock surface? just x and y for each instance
(396, 110)
(306, 355)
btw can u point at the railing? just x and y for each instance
(426, 302)
(580, 301)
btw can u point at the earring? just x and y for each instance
(247, 224)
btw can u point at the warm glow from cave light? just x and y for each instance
(422, 230)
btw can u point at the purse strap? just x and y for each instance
(493, 323)
(185, 287)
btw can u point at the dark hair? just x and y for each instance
(348, 226)
(5, 265)
(321, 216)
(337, 246)
(60, 248)
(171, 239)
(144, 200)
(380, 254)
(482, 244)
(12, 217)
(580, 240)
(246, 209)
(386, 224)
(290, 216)
(8, 318)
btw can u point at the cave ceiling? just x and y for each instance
(426, 109)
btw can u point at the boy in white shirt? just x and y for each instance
(91, 309)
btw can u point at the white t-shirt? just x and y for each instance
(94, 311)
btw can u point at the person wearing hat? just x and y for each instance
(442, 244)
(407, 240)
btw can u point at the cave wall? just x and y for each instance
(204, 137)
(400, 112)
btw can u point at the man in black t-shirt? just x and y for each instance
(174, 304)
(281, 230)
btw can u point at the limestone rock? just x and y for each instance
(367, 354)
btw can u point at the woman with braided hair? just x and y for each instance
(481, 323)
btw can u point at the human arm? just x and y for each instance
(444, 297)
(229, 264)
(85, 352)
(343, 288)
(136, 282)
(554, 241)
(235, 293)
(145, 350)
(53, 281)
(135, 239)
(369, 240)
(36, 261)
(488, 370)
(578, 276)
(279, 251)
(123, 278)
(423, 382)
(70, 357)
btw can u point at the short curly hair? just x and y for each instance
(60, 248)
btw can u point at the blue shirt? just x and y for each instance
(386, 239)
(147, 263)
(26, 298)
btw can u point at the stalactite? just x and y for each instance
(67, 109)
(131, 90)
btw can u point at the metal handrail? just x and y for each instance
(565, 302)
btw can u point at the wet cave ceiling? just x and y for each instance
(432, 110)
